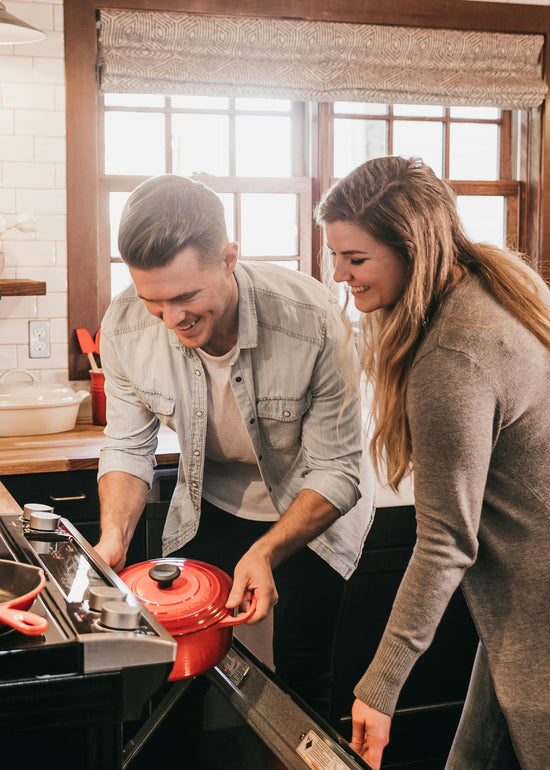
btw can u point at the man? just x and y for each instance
(247, 362)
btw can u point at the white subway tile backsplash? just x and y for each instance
(7, 201)
(31, 254)
(16, 148)
(61, 175)
(50, 148)
(7, 120)
(48, 71)
(52, 305)
(8, 357)
(61, 253)
(32, 122)
(33, 175)
(53, 227)
(58, 331)
(59, 98)
(14, 332)
(55, 277)
(25, 95)
(41, 201)
(14, 70)
(18, 307)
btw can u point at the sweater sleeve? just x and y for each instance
(453, 413)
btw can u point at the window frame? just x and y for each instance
(87, 299)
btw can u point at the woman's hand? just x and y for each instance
(371, 733)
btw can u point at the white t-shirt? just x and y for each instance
(232, 479)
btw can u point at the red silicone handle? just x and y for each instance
(242, 617)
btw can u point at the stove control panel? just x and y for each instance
(116, 631)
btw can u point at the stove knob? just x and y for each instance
(30, 508)
(101, 594)
(120, 616)
(44, 521)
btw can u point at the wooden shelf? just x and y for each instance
(13, 287)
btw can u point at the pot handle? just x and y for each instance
(242, 617)
(23, 371)
(26, 622)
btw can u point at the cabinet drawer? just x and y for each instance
(72, 494)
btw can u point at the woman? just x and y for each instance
(457, 349)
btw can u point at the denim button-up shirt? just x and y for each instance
(289, 383)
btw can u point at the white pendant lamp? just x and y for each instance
(14, 30)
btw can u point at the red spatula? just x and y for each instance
(88, 346)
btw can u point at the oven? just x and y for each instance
(92, 691)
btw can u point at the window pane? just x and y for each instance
(474, 151)
(200, 144)
(292, 264)
(133, 100)
(356, 141)
(117, 201)
(477, 113)
(120, 278)
(200, 102)
(483, 217)
(266, 105)
(420, 139)
(360, 108)
(263, 146)
(419, 110)
(269, 225)
(134, 143)
(228, 200)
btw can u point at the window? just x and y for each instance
(470, 146)
(253, 153)
(250, 151)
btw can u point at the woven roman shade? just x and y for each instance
(178, 53)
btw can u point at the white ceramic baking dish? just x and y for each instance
(36, 408)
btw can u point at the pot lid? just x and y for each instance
(183, 594)
(34, 393)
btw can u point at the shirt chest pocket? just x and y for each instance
(162, 406)
(280, 420)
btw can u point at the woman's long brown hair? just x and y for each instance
(402, 203)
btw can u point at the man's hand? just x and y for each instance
(253, 575)
(371, 733)
(111, 549)
(306, 517)
(122, 499)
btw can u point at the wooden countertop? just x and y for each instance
(71, 450)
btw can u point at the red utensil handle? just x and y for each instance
(26, 622)
(242, 617)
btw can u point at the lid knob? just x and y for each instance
(164, 574)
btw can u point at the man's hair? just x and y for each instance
(169, 213)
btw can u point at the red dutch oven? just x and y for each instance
(188, 598)
(20, 584)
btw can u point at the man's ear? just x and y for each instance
(230, 256)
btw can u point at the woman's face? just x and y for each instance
(374, 272)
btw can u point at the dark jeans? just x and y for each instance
(305, 619)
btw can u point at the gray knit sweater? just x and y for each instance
(478, 404)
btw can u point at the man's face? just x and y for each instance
(199, 305)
